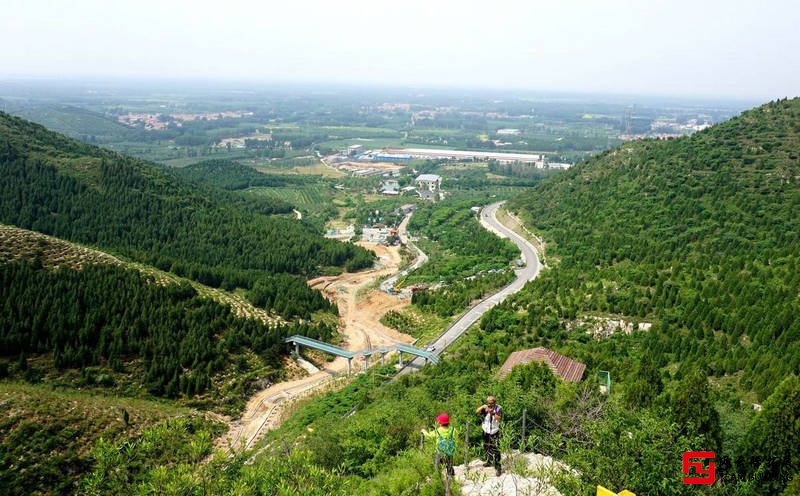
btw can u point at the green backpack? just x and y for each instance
(446, 446)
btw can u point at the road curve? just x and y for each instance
(488, 219)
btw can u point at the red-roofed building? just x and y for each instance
(563, 367)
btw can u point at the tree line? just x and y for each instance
(453, 298)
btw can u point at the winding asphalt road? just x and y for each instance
(488, 219)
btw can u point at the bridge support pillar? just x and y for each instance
(296, 349)
(348, 365)
(401, 357)
(383, 359)
(366, 362)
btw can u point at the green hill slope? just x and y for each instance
(699, 234)
(75, 316)
(78, 123)
(48, 435)
(230, 175)
(21, 245)
(99, 332)
(52, 184)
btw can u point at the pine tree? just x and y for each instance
(772, 443)
(693, 409)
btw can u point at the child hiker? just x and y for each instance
(445, 436)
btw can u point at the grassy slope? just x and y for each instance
(46, 434)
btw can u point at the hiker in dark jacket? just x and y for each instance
(491, 413)
(445, 436)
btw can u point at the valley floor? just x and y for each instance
(361, 305)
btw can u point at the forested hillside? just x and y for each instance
(75, 191)
(79, 123)
(701, 235)
(173, 340)
(230, 175)
(113, 332)
(73, 318)
(456, 243)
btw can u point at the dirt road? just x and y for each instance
(361, 305)
(420, 258)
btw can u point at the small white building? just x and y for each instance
(390, 187)
(429, 186)
(431, 182)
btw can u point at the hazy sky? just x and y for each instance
(730, 48)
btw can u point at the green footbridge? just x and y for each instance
(299, 341)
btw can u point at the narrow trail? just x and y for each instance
(360, 310)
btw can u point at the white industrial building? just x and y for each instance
(431, 153)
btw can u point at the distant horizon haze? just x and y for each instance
(711, 49)
(392, 92)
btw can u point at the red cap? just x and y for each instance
(443, 419)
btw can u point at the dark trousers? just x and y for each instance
(447, 461)
(491, 444)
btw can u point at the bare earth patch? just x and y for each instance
(361, 306)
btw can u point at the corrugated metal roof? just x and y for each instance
(564, 367)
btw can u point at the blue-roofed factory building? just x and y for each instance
(392, 157)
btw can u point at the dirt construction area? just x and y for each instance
(361, 306)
